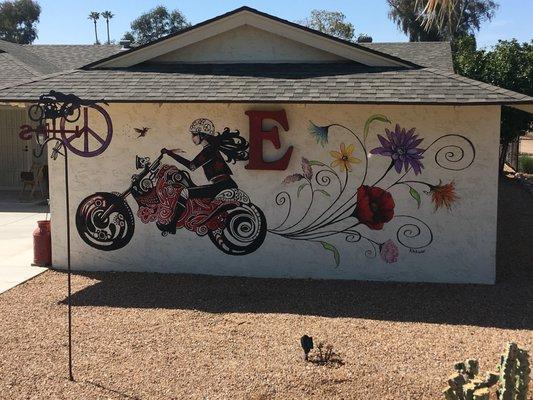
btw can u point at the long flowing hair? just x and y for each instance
(231, 144)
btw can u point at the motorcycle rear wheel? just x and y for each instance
(105, 232)
(243, 233)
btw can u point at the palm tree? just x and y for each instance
(95, 16)
(440, 13)
(107, 15)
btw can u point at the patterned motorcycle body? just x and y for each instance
(158, 204)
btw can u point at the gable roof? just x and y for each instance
(72, 56)
(31, 61)
(13, 71)
(127, 77)
(270, 83)
(22, 62)
(246, 16)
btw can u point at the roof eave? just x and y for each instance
(525, 105)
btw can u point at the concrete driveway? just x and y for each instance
(17, 222)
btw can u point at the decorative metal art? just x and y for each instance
(56, 105)
(67, 108)
(83, 140)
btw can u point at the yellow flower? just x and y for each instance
(344, 158)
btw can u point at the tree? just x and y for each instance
(129, 37)
(437, 12)
(157, 23)
(95, 16)
(107, 15)
(364, 38)
(331, 22)
(18, 20)
(406, 15)
(430, 20)
(509, 65)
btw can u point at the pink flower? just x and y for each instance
(389, 252)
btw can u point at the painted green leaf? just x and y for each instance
(323, 192)
(375, 117)
(415, 195)
(333, 249)
(300, 188)
(315, 162)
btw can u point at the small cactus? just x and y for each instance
(512, 378)
(514, 374)
(481, 394)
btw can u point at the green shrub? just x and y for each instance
(525, 164)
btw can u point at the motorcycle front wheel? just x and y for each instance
(105, 221)
(244, 231)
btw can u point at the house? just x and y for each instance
(249, 145)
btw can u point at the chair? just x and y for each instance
(33, 179)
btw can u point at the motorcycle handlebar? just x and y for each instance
(158, 159)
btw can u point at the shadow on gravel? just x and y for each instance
(505, 305)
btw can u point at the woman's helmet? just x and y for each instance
(202, 126)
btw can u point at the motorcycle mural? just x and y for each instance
(167, 196)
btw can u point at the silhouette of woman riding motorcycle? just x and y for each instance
(166, 195)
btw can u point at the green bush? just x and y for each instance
(525, 164)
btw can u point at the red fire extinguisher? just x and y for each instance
(42, 244)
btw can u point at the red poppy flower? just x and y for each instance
(375, 207)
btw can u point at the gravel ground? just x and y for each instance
(149, 336)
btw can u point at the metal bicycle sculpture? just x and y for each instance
(67, 108)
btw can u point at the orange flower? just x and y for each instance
(443, 195)
(344, 158)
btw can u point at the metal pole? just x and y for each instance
(69, 270)
(67, 204)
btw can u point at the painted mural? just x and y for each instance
(327, 199)
(358, 210)
(167, 196)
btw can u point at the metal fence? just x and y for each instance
(512, 154)
(521, 146)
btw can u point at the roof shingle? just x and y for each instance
(427, 54)
(66, 57)
(321, 83)
(13, 71)
(20, 63)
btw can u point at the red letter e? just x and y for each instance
(258, 135)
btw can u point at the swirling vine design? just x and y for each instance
(370, 206)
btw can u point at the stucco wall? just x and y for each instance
(463, 242)
(247, 44)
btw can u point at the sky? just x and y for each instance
(65, 21)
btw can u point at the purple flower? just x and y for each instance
(292, 178)
(306, 168)
(400, 146)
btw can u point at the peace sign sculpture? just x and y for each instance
(83, 140)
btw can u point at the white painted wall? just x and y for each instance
(464, 243)
(247, 44)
